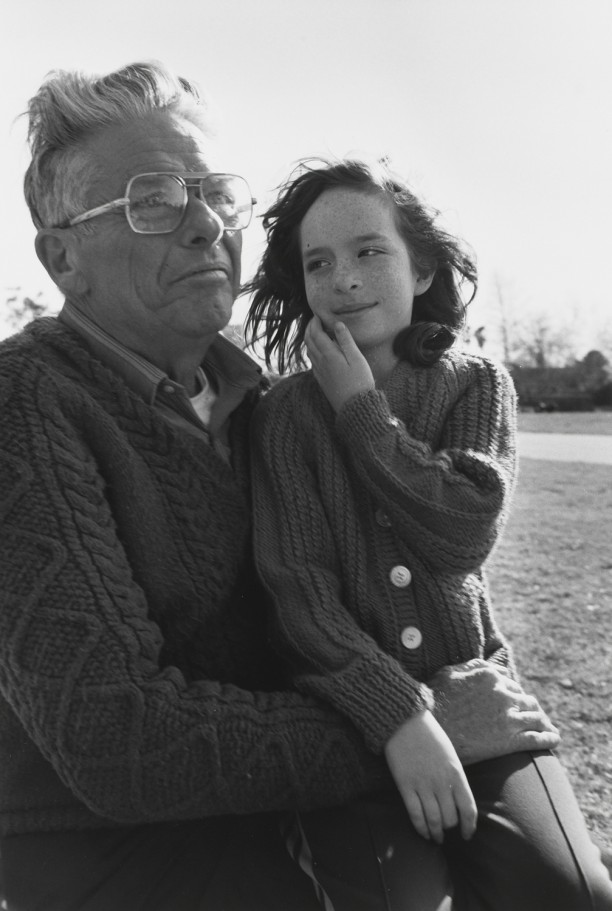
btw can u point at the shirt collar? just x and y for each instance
(233, 370)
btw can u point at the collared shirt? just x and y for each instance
(232, 372)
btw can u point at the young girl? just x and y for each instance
(382, 478)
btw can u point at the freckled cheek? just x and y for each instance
(319, 289)
(312, 291)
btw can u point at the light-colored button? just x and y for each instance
(168, 388)
(382, 519)
(411, 637)
(400, 576)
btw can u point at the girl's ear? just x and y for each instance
(423, 284)
(57, 250)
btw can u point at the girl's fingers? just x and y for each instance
(345, 341)
(417, 817)
(317, 338)
(448, 810)
(458, 807)
(465, 809)
(312, 334)
(433, 817)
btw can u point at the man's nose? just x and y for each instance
(201, 225)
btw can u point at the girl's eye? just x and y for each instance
(370, 251)
(315, 264)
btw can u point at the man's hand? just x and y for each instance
(338, 365)
(430, 778)
(487, 714)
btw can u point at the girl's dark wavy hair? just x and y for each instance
(279, 311)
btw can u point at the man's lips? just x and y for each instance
(212, 270)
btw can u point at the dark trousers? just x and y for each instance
(531, 850)
(228, 864)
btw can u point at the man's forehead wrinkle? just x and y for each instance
(183, 149)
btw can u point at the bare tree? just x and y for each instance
(19, 309)
(537, 342)
(604, 340)
(502, 310)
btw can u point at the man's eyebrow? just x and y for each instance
(359, 239)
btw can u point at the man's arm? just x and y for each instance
(486, 713)
(80, 658)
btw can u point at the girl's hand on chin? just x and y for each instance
(338, 365)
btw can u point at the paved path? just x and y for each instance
(566, 447)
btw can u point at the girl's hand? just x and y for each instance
(430, 778)
(338, 365)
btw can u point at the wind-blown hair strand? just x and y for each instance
(279, 311)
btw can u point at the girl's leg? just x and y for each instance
(531, 850)
(367, 857)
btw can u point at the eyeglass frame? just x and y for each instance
(185, 179)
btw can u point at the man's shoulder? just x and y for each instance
(47, 354)
(226, 356)
(32, 344)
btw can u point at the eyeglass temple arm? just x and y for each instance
(99, 210)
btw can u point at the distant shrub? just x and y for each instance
(603, 396)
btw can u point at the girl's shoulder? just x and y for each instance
(468, 367)
(462, 358)
(282, 391)
(286, 398)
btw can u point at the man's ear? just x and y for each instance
(424, 284)
(58, 252)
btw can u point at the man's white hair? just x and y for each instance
(71, 106)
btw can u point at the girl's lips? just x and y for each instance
(354, 308)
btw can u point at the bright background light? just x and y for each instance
(499, 112)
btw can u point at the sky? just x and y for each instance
(497, 111)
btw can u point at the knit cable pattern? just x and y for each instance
(433, 453)
(134, 671)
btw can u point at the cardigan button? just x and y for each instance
(400, 576)
(381, 518)
(411, 637)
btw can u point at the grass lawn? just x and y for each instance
(551, 579)
(567, 422)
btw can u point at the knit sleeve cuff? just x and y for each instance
(378, 697)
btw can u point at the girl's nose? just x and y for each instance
(345, 279)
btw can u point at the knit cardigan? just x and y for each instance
(135, 680)
(372, 527)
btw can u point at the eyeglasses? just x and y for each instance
(155, 202)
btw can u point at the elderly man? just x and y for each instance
(146, 741)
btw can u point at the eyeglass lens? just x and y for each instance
(158, 201)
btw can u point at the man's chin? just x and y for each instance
(199, 317)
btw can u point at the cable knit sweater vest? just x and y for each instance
(135, 680)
